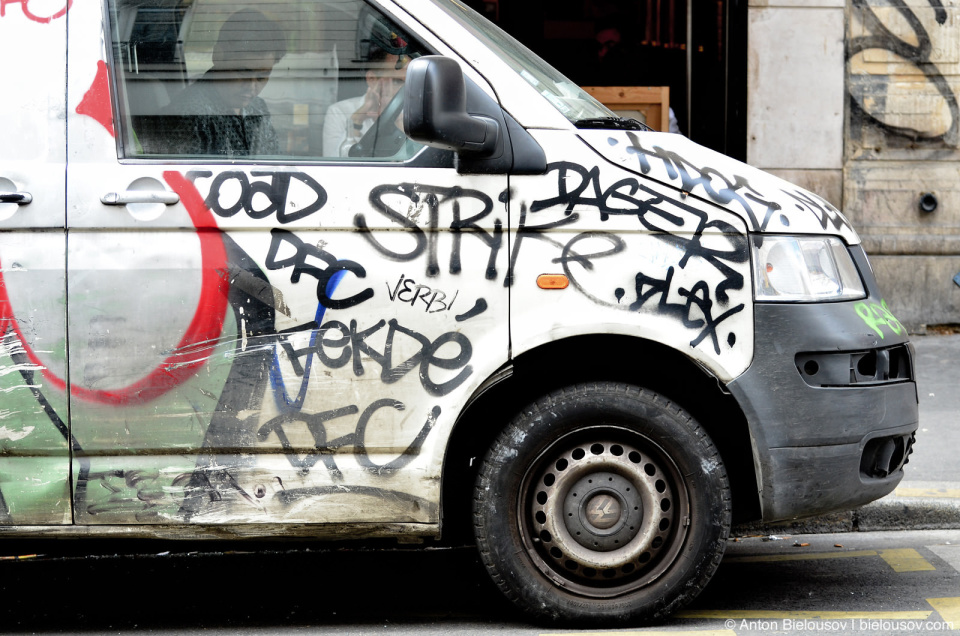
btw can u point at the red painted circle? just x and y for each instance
(201, 334)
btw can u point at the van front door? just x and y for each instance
(279, 303)
(35, 437)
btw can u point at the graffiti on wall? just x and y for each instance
(872, 95)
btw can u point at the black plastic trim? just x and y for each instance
(809, 440)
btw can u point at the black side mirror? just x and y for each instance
(435, 109)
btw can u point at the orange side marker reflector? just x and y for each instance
(552, 281)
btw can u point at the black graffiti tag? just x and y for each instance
(819, 208)
(337, 344)
(540, 232)
(434, 197)
(315, 262)
(698, 296)
(274, 191)
(324, 449)
(408, 291)
(726, 190)
(569, 255)
(710, 182)
(634, 198)
(408, 455)
(579, 188)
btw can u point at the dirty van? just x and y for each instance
(370, 269)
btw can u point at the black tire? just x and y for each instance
(602, 503)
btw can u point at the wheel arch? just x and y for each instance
(601, 357)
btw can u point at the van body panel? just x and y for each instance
(642, 260)
(34, 426)
(765, 202)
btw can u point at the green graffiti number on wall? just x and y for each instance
(878, 315)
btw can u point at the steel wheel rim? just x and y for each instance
(603, 511)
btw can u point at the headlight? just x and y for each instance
(803, 268)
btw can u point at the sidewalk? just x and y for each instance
(929, 495)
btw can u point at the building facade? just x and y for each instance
(857, 100)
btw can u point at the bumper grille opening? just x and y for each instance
(856, 368)
(884, 456)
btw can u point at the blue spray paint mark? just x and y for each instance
(280, 394)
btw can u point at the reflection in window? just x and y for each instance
(215, 80)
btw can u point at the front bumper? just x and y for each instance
(831, 400)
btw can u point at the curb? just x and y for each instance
(890, 513)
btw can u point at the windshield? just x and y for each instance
(574, 103)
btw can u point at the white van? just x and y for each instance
(238, 300)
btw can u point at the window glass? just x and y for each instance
(573, 102)
(210, 80)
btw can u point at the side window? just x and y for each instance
(292, 80)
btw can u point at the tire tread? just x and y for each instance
(524, 424)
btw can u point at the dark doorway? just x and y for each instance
(696, 47)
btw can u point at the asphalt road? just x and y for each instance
(938, 377)
(857, 584)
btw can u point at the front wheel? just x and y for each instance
(602, 502)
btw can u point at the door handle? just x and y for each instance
(140, 196)
(21, 198)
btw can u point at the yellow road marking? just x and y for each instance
(906, 560)
(800, 556)
(902, 560)
(773, 614)
(948, 609)
(949, 493)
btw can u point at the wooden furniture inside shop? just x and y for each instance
(649, 104)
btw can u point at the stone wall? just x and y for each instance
(902, 165)
(857, 101)
(795, 92)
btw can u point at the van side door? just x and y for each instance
(35, 439)
(279, 303)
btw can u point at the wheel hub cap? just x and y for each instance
(602, 511)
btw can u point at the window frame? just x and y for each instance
(125, 136)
